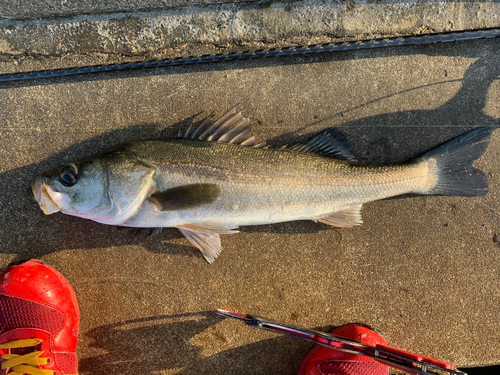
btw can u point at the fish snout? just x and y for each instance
(39, 193)
(35, 189)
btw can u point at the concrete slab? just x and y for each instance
(424, 271)
(35, 39)
(47, 9)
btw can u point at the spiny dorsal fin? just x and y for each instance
(346, 218)
(232, 127)
(330, 143)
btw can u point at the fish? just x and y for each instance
(214, 178)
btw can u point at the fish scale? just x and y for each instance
(272, 174)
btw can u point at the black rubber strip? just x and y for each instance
(377, 43)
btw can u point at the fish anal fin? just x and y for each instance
(206, 237)
(186, 197)
(331, 143)
(346, 218)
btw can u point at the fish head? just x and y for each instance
(72, 187)
(108, 188)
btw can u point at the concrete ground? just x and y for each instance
(424, 271)
(54, 34)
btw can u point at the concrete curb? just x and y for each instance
(34, 44)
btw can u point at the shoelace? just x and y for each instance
(25, 363)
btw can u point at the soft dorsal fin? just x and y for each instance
(232, 127)
(346, 218)
(206, 237)
(330, 143)
(186, 197)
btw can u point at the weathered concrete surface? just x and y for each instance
(424, 271)
(52, 8)
(81, 39)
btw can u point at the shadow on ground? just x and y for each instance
(160, 343)
(398, 137)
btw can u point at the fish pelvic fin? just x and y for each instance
(206, 237)
(346, 218)
(451, 165)
(231, 127)
(331, 143)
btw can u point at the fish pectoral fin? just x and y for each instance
(331, 143)
(206, 237)
(186, 197)
(346, 218)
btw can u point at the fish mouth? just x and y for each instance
(43, 195)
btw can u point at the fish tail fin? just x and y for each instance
(452, 165)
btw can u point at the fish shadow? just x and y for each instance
(380, 139)
(175, 342)
(25, 226)
(400, 136)
(289, 227)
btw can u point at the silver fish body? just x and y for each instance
(215, 179)
(264, 186)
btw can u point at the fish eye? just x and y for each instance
(68, 175)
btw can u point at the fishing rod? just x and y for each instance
(398, 359)
(260, 54)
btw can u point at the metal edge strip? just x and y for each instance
(315, 49)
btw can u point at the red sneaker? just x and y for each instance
(39, 321)
(325, 361)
